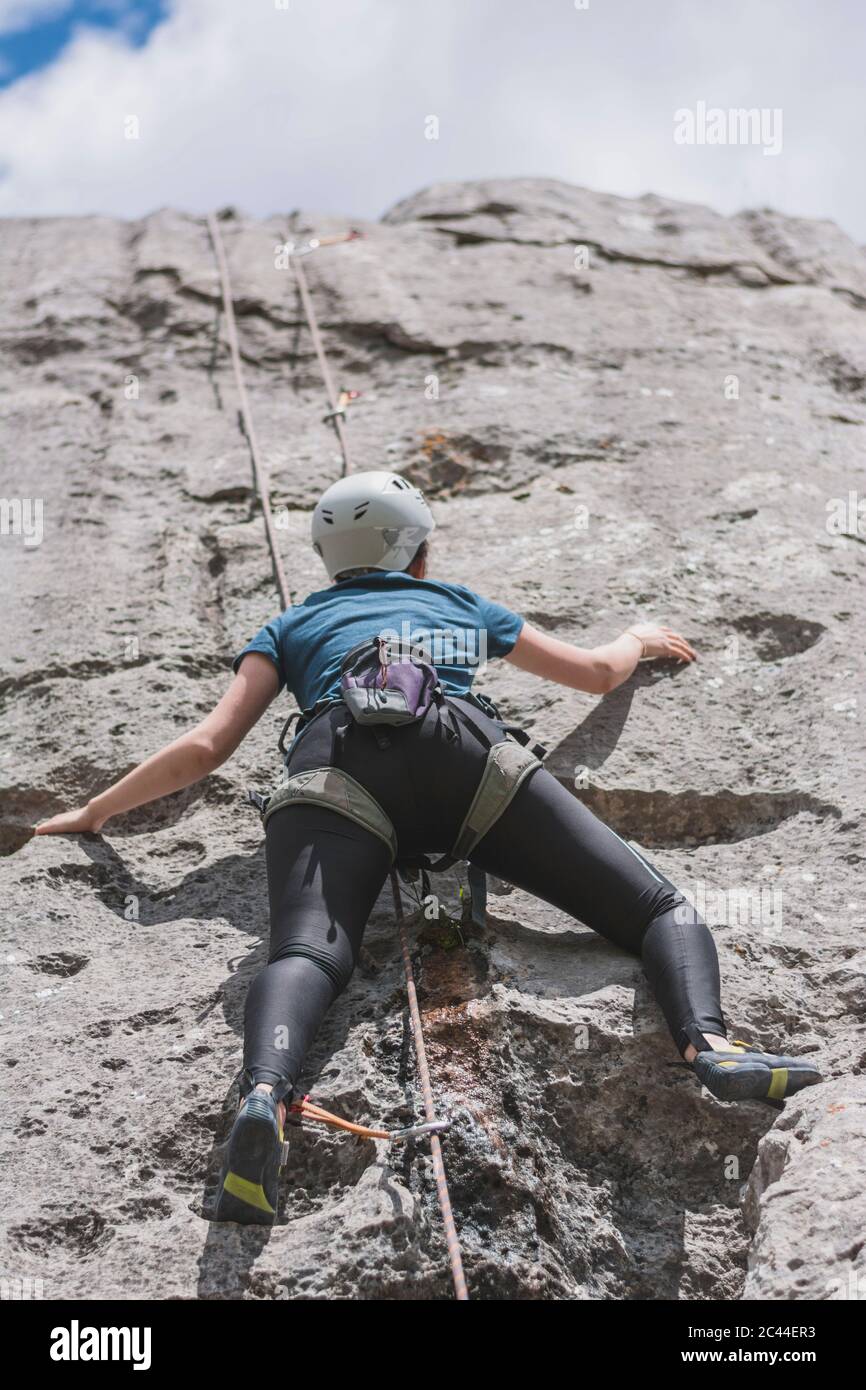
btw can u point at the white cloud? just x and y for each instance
(323, 106)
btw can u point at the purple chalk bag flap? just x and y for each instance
(386, 681)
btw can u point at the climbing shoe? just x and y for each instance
(248, 1184)
(748, 1073)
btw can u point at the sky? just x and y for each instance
(346, 106)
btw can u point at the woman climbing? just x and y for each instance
(389, 763)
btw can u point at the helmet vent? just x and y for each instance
(361, 510)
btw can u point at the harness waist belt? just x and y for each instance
(507, 766)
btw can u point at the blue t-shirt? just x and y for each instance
(459, 630)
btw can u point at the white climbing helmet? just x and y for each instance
(374, 519)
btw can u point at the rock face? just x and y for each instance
(621, 410)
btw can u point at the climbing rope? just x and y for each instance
(337, 413)
(451, 1238)
(307, 1109)
(259, 472)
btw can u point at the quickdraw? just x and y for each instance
(345, 399)
(315, 243)
(307, 1109)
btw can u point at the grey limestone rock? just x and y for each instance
(621, 410)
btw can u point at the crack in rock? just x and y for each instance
(778, 635)
(665, 820)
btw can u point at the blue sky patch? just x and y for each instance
(35, 44)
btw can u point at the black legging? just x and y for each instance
(325, 873)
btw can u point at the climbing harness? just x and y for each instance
(379, 693)
(506, 769)
(322, 787)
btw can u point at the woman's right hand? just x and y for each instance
(662, 641)
(187, 759)
(72, 822)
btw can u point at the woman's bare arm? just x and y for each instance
(596, 670)
(188, 758)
